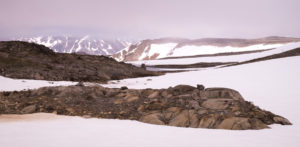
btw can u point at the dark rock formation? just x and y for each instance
(31, 61)
(182, 106)
(143, 66)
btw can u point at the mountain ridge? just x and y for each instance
(85, 44)
(174, 47)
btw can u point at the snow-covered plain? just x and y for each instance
(230, 58)
(8, 84)
(273, 85)
(190, 50)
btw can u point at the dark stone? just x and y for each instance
(6, 93)
(143, 66)
(124, 88)
(200, 87)
(80, 83)
(183, 88)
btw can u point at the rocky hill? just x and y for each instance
(31, 61)
(181, 106)
(176, 47)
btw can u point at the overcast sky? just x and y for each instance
(142, 19)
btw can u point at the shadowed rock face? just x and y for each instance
(31, 61)
(181, 106)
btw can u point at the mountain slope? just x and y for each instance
(86, 44)
(174, 47)
(32, 61)
(246, 56)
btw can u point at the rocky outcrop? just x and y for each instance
(181, 106)
(31, 61)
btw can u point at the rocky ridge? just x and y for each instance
(32, 61)
(181, 106)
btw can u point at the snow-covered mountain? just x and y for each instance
(85, 44)
(177, 47)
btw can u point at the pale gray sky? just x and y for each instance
(151, 18)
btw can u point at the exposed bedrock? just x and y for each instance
(181, 106)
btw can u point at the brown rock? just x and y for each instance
(111, 93)
(141, 108)
(118, 101)
(29, 109)
(216, 103)
(202, 111)
(193, 119)
(174, 109)
(281, 120)
(235, 123)
(153, 95)
(131, 98)
(196, 94)
(121, 95)
(171, 112)
(183, 88)
(164, 93)
(194, 104)
(257, 124)
(207, 121)
(181, 120)
(70, 110)
(202, 95)
(223, 93)
(154, 118)
(184, 96)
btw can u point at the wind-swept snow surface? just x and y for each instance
(78, 132)
(272, 85)
(8, 84)
(162, 50)
(209, 49)
(225, 58)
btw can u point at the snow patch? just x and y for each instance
(161, 49)
(208, 49)
(230, 58)
(9, 84)
(79, 43)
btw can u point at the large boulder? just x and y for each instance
(180, 120)
(154, 118)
